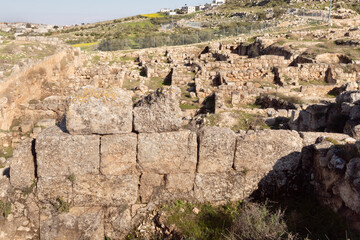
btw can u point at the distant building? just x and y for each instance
(164, 10)
(200, 8)
(188, 9)
(219, 2)
(171, 13)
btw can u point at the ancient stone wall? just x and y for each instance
(108, 167)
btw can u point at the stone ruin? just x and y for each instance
(111, 162)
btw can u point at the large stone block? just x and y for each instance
(218, 187)
(78, 223)
(149, 183)
(99, 190)
(61, 154)
(159, 111)
(118, 154)
(49, 189)
(100, 111)
(117, 222)
(171, 152)
(22, 168)
(261, 151)
(309, 138)
(217, 149)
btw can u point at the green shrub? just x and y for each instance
(257, 222)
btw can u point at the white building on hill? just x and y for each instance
(188, 9)
(219, 2)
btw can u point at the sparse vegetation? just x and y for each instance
(29, 189)
(61, 206)
(5, 208)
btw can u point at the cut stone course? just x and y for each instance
(170, 152)
(78, 223)
(99, 111)
(217, 149)
(62, 154)
(118, 154)
(98, 190)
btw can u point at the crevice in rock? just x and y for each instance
(100, 155)
(33, 151)
(197, 153)
(233, 165)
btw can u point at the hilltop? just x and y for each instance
(232, 18)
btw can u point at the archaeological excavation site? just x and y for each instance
(238, 121)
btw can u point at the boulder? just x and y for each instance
(62, 154)
(216, 149)
(164, 153)
(99, 111)
(159, 111)
(349, 97)
(118, 154)
(22, 166)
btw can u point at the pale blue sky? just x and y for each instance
(66, 12)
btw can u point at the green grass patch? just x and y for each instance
(6, 152)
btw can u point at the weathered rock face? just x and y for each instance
(159, 111)
(78, 223)
(62, 154)
(271, 153)
(118, 154)
(216, 150)
(171, 152)
(99, 111)
(22, 169)
(336, 178)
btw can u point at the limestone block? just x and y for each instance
(78, 223)
(100, 111)
(217, 148)
(182, 182)
(99, 190)
(260, 151)
(159, 111)
(51, 188)
(309, 138)
(171, 152)
(149, 182)
(118, 154)
(117, 222)
(22, 166)
(61, 154)
(217, 187)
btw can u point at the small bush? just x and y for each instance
(256, 222)
(61, 206)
